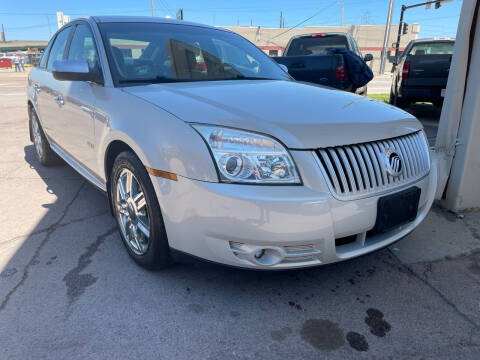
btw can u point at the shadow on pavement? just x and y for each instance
(80, 293)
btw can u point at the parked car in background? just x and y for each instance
(422, 72)
(205, 146)
(308, 58)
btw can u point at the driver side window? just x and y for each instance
(83, 47)
(58, 49)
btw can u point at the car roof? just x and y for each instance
(433, 39)
(321, 32)
(146, 19)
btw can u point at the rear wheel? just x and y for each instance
(402, 103)
(138, 213)
(45, 155)
(391, 101)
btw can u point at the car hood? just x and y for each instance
(302, 116)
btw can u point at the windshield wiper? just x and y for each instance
(243, 77)
(162, 79)
(155, 80)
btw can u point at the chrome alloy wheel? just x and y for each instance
(37, 136)
(132, 212)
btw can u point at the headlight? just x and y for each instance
(245, 157)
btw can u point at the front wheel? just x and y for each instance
(138, 213)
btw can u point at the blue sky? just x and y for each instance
(36, 20)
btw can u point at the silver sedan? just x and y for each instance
(206, 146)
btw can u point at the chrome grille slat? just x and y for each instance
(346, 165)
(376, 165)
(339, 166)
(407, 164)
(359, 170)
(416, 160)
(371, 171)
(331, 170)
(413, 158)
(420, 152)
(363, 167)
(356, 170)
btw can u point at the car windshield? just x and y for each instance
(432, 48)
(316, 43)
(142, 53)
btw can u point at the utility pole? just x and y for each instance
(386, 38)
(153, 8)
(366, 17)
(281, 19)
(341, 13)
(3, 35)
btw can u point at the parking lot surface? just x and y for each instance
(69, 290)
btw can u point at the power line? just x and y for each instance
(304, 21)
(27, 27)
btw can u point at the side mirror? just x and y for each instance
(284, 67)
(368, 57)
(73, 70)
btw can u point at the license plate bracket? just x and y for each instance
(396, 209)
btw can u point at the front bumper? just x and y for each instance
(295, 226)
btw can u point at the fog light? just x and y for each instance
(259, 254)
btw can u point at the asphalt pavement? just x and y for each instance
(69, 290)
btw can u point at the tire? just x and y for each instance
(44, 153)
(401, 102)
(135, 215)
(391, 101)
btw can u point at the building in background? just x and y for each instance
(369, 38)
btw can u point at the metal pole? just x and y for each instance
(397, 45)
(341, 17)
(153, 8)
(386, 38)
(281, 19)
(400, 26)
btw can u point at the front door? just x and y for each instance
(78, 109)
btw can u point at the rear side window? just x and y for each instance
(432, 48)
(316, 43)
(83, 47)
(58, 48)
(43, 60)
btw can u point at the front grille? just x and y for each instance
(359, 170)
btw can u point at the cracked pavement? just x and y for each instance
(69, 289)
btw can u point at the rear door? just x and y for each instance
(49, 107)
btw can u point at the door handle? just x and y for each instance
(297, 65)
(59, 100)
